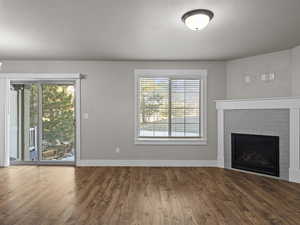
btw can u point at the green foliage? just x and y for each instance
(152, 101)
(150, 105)
(58, 114)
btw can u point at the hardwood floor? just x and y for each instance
(32, 195)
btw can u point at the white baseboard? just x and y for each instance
(4, 164)
(220, 164)
(294, 175)
(149, 163)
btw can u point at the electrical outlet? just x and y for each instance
(118, 149)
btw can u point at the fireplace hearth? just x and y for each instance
(256, 153)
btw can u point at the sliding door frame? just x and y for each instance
(7, 78)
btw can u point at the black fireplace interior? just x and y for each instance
(256, 153)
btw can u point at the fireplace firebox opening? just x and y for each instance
(256, 153)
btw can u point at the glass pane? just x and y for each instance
(185, 108)
(58, 122)
(177, 116)
(192, 116)
(191, 86)
(161, 130)
(24, 122)
(192, 100)
(177, 100)
(177, 130)
(146, 129)
(177, 86)
(192, 129)
(33, 121)
(150, 115)
(153, 106)
(14, 144)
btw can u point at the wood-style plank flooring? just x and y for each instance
(40, 195)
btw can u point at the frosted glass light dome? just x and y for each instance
(197, 19)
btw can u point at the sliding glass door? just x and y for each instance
(42, 122)
(58, 122)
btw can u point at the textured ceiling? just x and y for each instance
(144, 29)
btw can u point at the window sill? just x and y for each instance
(170, 141)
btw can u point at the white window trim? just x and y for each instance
(196, 74)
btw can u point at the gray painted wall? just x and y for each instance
(108, 97)
(278, 62)
(296, 71)
(263, 122)
(285, 64)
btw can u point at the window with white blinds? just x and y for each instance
(170, 106)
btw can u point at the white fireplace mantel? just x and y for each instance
(290, 103)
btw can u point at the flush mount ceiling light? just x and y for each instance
(197, 19)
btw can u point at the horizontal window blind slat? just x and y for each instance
(168, 107)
